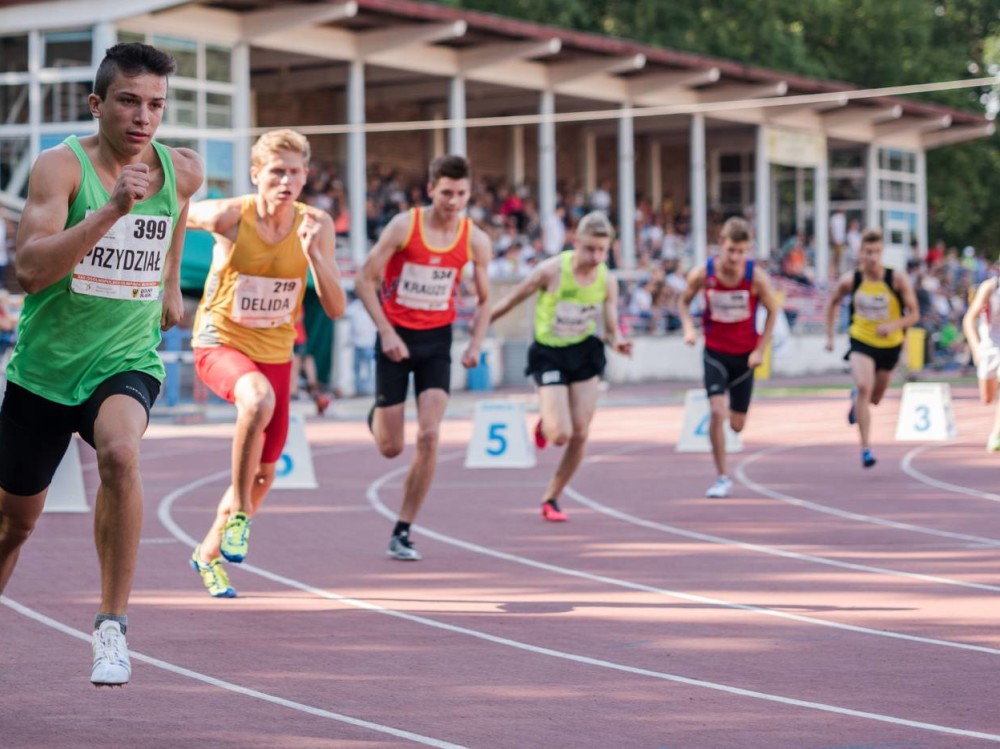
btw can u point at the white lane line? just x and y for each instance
(164, 514)
(923, 478)
(380, 507)
(741, 474)
(229, 686)
(772, 550)
(221, 684)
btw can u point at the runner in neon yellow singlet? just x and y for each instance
(567, 358)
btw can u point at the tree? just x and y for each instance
(869, 43)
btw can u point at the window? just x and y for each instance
(218, 110)
(185, 52)
(68, 49)
(14, 166)
(14, 54)
(218, 64)
(66, 101)
(219, 168)
(14, 104)
(893, 160)
(182, 107)
(126, 37)
(734, 185)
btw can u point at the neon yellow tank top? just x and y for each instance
(570, 314)
(874, 303)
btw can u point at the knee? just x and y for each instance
(257, 401)
(428, 438)
(15, 529)
(579, 436)
(118, 458)
(737, 421)
(561, 437)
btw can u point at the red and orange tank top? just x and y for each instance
(420, 281)
(251, 301)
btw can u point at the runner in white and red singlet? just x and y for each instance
(734, 286)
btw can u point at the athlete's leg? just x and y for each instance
(582, 402)
(863, 374)
(208, 549)
(555, 413)
(988, 389)
(388, 425)
(718, 408)
(118, 429)
(18, 516)
(255, 403)
(883, 378)
(431, 404)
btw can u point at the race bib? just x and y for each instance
(874, 307)
(264, 302)
(425, 287)
(729, 306)
(127, 262)
(572, 319)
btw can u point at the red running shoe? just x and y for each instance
(552, 513)
(540, 436)
(322, 403)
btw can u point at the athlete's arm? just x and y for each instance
(368, 278)
(971, 316)
(695, 282)
(612, 333)
(188, 174)
(765, 296)
(482, 251)
(901, 283)
(841, 290)
(319, 243)
(46, 250)
(221, 217)
(541, 275)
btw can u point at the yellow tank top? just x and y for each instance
(251, 301)
(874, 303)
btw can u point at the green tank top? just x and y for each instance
(570, 314)
(104, 317)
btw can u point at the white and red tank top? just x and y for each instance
(420, 281)
(730, 317)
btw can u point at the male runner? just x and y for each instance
(981, 325)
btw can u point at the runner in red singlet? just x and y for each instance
(419, 259)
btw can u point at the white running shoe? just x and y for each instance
(401, 548)
(721, 488)
(111, 663)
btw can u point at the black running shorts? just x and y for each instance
(564, 365)
(729, 372)
(885, 359)
(429, 361)
(35, 432)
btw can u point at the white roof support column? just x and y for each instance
(242, 118)
(357, 177)
(589, 162)
(872, 217)
(547, 155)
(104, 36)
(626, 185)
(762, 190)
(699, 190)
(821, 219)
(35, 94)
(515, 166)
(655, 174)
(922, 236)
(456, 113)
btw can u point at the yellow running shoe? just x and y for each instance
(236, 537)
(213, 574)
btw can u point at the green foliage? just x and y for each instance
(869, 43)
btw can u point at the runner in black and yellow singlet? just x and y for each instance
(883, 305)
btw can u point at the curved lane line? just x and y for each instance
(907, 465)
(869, 519)
(166, 518)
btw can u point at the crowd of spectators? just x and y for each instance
(651, 292)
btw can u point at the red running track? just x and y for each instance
(820, 606)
